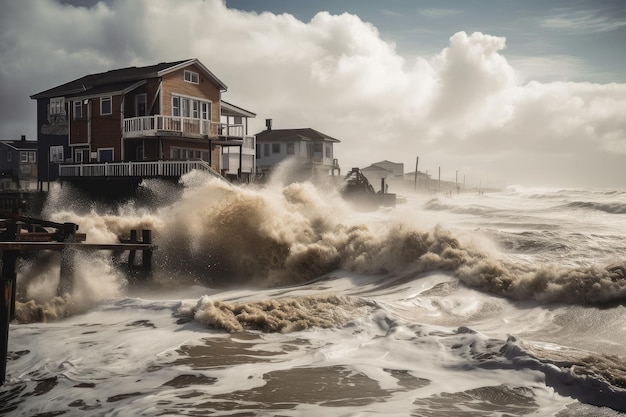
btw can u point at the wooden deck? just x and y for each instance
(133, 169)
(20, 234)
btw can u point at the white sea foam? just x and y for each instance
(284, 299)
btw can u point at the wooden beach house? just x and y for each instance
(157, 121)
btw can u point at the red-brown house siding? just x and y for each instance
(106, 131)
(150, 89)
(79, 126)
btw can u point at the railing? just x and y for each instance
(224, 129)
(144, 169)
(150, 125)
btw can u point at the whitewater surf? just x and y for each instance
(284, 300)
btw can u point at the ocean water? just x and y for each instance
(287, 300)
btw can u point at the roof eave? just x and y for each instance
(198, 63)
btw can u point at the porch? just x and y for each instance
(155, 125)
(134, 169)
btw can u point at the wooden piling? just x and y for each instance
(146, 255)
(7, 305)
(66, 241)
(66, 275)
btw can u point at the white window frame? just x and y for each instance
(103, 99)
(191, 107)
(57, 105)
(192, 77)
(206, 110)
(176, 106)
(32, 156)
(56, 154)
(78, 109)
(23, 156)
(107, 149)
(185, 106)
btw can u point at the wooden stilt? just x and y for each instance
(132, 253)
(7, 305)
(146, 255)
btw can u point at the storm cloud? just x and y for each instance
(465, 108)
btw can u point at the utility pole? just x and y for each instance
(417, 159)
(439, 178)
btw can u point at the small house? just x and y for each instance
(311, 150)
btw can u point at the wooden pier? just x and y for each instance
(20, 234)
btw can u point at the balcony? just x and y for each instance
(158, 125)
(134, 169)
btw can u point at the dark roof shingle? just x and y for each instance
(293, 134)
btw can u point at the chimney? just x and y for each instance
(268, 124)
(23, 138)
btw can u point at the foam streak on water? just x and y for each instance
(286, 300)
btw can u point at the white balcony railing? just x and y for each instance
(144, 169)
(150, 125)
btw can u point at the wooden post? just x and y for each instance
(417, 159)
(66, 275)
(132, 253)
(7, 305)
(146, 237)
(7, 296)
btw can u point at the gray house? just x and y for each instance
(18, 164)
(311, 150)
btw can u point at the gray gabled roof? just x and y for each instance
(277, 135)
(229, 109)
(120, 79)
(20, 144)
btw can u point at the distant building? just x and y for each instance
(312, 150)
(18, 164)
(388, 170)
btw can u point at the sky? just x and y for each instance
(496, 92)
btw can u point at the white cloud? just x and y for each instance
(466, 108)
(435, 13)
(582, 21)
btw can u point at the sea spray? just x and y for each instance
(225, 235)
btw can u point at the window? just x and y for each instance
(328, 151)
(266, 149)
(195, 109)
(191, 77)
(140, 104)
(32, 156)
(176, 106)
(185, 107)
(189, 107)
(56, 154)
(206, 110)
(105, 105)
(78, 110)
(9, 157)
(317, 147)
(57, 105)
(23, 157)
(275, 147)
(290, 149)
